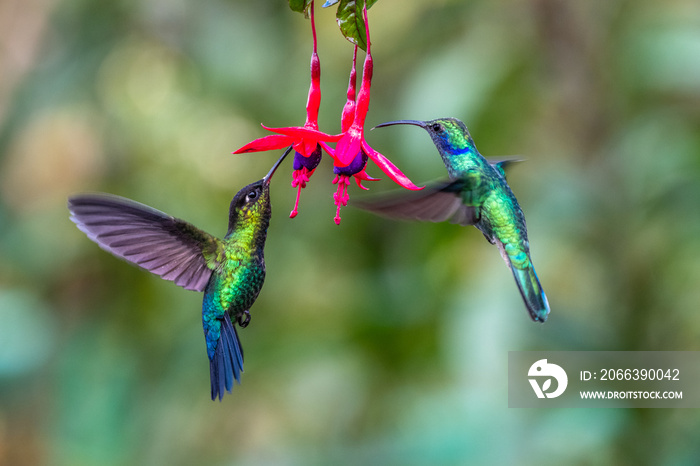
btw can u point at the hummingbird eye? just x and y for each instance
(437, 127)
(251, 196)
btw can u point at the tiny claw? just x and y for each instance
(244, 319)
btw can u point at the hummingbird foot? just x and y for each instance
(244, 319)
(341, 195)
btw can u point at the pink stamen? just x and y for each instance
(301, 177)
(341, 195)
(299, 180)
(295, 211)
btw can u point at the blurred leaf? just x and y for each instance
(301, 6)
(350, 21)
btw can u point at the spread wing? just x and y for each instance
(435, 203)
(501, 163)
(166, 246)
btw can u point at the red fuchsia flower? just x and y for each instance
(352, 151)
(304, 139)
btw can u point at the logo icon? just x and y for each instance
(542, 368)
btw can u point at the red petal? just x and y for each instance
(389, 168)
(348, 115)
(300, 132)
(267, 143)
(363, 96)
(364, 176)
(314, 100)
(329, 150)
(309, 147)
(361, 176)
(348, 147)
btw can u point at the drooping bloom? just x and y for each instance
(352, 151)
(304, 139)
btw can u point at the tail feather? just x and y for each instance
(532, 293)
(227, 361)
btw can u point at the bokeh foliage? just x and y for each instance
(375, 342)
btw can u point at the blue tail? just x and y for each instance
(227, 361)
(531, 290)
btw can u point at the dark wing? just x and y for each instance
(501, 163)
(435, 203)
(166, 246)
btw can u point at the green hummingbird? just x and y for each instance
(475, 194)
(230, 271)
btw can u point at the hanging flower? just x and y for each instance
(304, 139)
(352, 151)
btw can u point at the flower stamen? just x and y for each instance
(299, 179)
(341, 195)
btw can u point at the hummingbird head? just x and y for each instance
(451, 138)
(251, 205)
(449, 135)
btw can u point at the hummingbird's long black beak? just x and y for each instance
(401, 122)
(268, 177)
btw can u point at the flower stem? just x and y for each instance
(313, 102)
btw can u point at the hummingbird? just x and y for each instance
(230, 271)
(476, 193)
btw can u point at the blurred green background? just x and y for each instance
(375, 342)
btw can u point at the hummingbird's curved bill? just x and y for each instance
(402, 122)
(268, 177)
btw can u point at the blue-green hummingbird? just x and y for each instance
(475, 194)
(230, 271)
